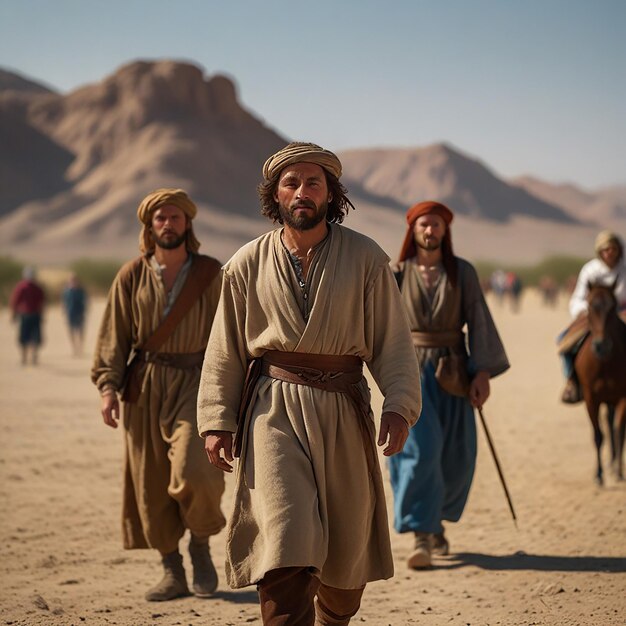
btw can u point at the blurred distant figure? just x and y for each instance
(75, 305)
(609, 266)
(27, 303)
(514, 290)
(570, 284)
(498, 284)
(549, 290)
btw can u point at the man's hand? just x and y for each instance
(479, 390)
(216, 441)
(395, 430)
(110, 408)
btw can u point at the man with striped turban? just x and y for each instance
(432, 475)
(150, 349)
(302, 307)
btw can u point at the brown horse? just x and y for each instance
(601, 369)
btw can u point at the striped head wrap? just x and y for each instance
(156, 200)
(301, 152)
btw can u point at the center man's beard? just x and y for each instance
(303, 222)
(170, 244)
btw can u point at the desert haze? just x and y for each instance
(74, 167)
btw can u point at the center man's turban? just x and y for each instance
(299, 152)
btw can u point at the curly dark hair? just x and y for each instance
(338, 207)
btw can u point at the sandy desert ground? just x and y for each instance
(61, 561)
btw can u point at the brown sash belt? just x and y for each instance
(179, 360)
(333, 373)
(437, 339)
(322, 371)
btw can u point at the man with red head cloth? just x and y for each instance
(150, 349)
(302, 308)
(431, 476)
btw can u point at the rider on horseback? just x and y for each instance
(608, 266)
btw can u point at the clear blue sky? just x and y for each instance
(527, 86)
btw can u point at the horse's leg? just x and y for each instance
(620, 430)
(593, 408)
(610, 418)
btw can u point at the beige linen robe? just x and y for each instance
(169, 483)
(304, 494)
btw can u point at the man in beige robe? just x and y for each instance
(304, 306)
(169, 486)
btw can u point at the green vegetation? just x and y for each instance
(96, 276)
(560, 268)
(10, 273)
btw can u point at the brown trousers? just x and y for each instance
(293, 596)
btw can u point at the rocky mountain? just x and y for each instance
(605, 206)
(11, 81)
(73, 168)
(440, 172)
(32, 164)
(102, 147)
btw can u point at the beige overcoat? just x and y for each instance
(305, 495)
(169, 484)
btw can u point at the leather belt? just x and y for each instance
(322, 371)
(438, 339)
(179, 360)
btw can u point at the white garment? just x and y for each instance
(597, 271)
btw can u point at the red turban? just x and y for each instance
(408, 249)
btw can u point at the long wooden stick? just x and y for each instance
(497, 462)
